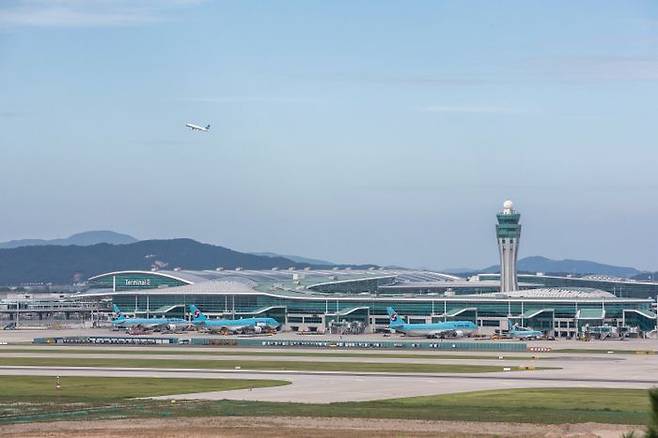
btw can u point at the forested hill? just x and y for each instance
(69, 264)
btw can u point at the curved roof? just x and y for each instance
(554, 292)
(169, 274)
(293, 279)
(351, 280)
(244, 288)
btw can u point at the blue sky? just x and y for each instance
(357, 131)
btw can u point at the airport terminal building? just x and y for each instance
(292, 298)
(313, 300)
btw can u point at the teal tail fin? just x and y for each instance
(393, 318)
(196, 313)
(118, 314)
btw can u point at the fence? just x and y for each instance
(290, 343)
(368, 345)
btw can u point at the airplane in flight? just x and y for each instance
(194, 127)
(162, 323)
(255, 325)
(445, 329)
(516, 331)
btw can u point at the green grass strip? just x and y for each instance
(102, 389)
(544, 405)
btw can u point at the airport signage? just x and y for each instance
(138, 283)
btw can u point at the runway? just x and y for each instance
(573, 370)
(630, 367)
(438, 360)
(329, 387)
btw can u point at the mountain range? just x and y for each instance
(70, 264)
(542, 264)
(82, 239)
(82, 255)
(295, 258)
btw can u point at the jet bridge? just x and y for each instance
(536, 319)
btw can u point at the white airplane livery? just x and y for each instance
(194, 127)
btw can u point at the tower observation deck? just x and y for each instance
(508, 233)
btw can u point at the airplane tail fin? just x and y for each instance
(196, 313)
(393, 318)
(118, 314)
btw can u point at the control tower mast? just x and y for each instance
(508, 233)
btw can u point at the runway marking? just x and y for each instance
(507, 377)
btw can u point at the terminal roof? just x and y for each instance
(582, 292)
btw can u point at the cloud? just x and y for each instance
(560, 69)
(603, 68)
(434, 79)
(9, 114)
(471, 109)
(249, 99)
(87, 13)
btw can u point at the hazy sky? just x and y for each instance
(357, 131)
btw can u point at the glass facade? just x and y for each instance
(508, 226)
(315, 309)
(312, 309)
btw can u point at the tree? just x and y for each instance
(652, 427)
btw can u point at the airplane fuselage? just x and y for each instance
(236, 325)
(526, 334)
(516, 331)
(197, 127)
(448, 328)
(149, 322)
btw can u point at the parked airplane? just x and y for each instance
(255, 325)
(122, 320)
(435, 330)
(194, 127)
(516, 331)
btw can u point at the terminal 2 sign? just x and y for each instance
(145, 282)
(122, 283)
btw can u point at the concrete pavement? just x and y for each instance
(328, 387)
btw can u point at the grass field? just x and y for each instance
(245, 352)
(95, 389)
(33, 398)
(517, 405)
(110, 398)
(251, 365)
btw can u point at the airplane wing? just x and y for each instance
(441, 332)
(527, 334)
(194, 127)
(221, 327)
(158, 324)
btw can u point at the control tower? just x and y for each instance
(508, 233)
